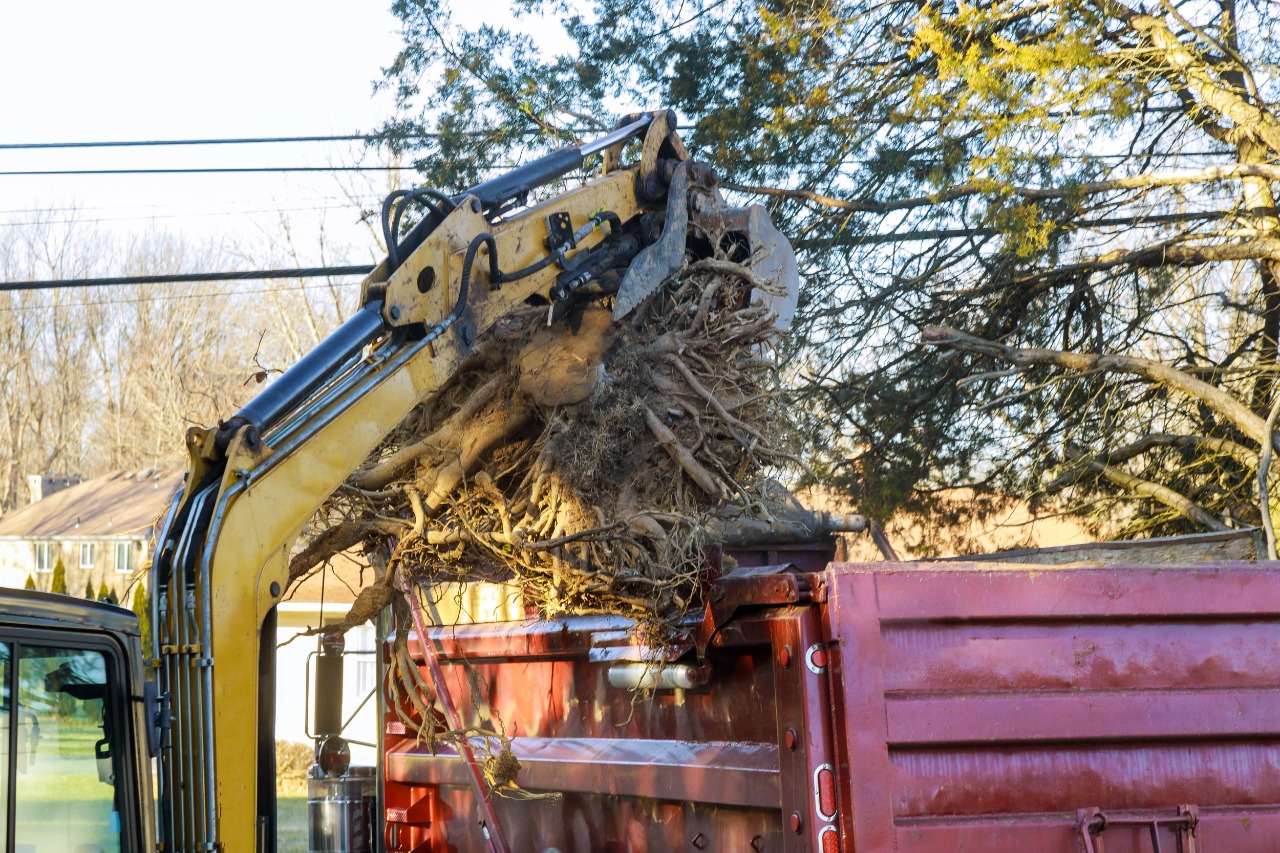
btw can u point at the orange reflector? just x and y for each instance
(827, 792)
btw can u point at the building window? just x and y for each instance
(124, 556)
(44, 556)
(88, 551)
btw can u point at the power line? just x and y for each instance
(201, 171)
(152, 217)
(164, 297)
(302, 272)
(76, 208)
(146, 143)
(245, 140)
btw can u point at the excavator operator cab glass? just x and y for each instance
(63, 739)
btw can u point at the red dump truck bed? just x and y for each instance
(881, 707)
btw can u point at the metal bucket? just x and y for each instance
(341, 812)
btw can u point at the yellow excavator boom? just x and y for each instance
(255, 480)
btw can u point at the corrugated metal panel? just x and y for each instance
(984, 708)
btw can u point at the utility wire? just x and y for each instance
(146, 143)
(202, 171)
(247, 140)
(154, 217)
(160, 298)
(302, 272)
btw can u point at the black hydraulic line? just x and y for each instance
(517, 183)
(496, 275)
(317, 367)
(437, 202)
(249, 275)
(266, 768)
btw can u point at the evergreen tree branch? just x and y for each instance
(1246, 457)
(1158, 492)
(1240, 415)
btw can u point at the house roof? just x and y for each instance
(119, 504)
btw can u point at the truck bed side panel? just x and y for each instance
(1000, 708)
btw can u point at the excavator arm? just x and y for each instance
(256, 479)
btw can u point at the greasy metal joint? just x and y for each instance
(226, 431)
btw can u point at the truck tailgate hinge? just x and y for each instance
(1093, 822)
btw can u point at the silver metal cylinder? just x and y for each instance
(341, 812)
(646, 676)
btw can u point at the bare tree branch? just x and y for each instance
(1154, 371)
(1185, 62)
(1156, 491)
(1243, 455)
(1264, 499)
(1170, 253)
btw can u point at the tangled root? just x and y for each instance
(580, 463)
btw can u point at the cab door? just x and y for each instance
(67, 769)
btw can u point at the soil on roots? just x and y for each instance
(580, 462)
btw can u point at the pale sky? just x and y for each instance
(133, 70)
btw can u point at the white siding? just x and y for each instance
(359, 677)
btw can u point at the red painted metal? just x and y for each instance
(494, 838)
(991, 708)
(882, 708)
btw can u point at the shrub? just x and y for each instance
(293, 761)
(59, 584)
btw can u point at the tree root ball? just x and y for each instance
(580, 462)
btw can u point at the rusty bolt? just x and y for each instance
(791, 739)
(757, 843)
(700, 841)
(795, 822)
(784, 657)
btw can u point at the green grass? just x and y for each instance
(291, 824)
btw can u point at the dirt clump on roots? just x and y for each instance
(580, 462)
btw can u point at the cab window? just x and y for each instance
(68, 754)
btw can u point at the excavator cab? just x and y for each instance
(75, 775)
